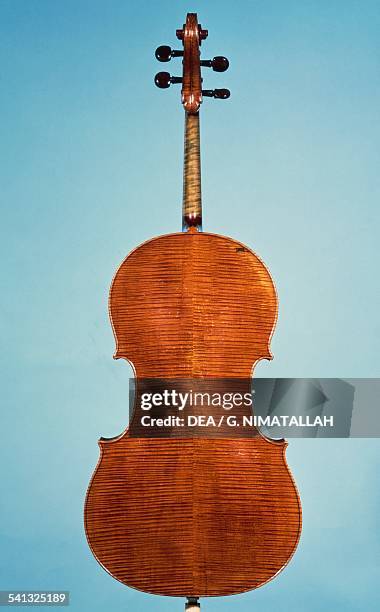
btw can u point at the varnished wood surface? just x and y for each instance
(193, 304)
(191, 73)
(192, 517)
(192, 199)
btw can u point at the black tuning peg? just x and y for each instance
(164, 80)
(165, 53)
(218, 63)
(221, 94)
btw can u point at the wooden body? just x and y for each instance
(195, 516)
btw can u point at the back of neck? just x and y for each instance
(192, 197)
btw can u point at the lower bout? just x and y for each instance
(195, 525)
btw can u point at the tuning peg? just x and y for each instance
(218, 63)
(202, 33)
(164, 80)
(165, 53)
(221, 94)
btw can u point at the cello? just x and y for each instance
(192, 515)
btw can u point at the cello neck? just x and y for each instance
(192, 196)
(191, 34)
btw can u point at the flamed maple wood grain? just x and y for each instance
(194, 516)
(193, 304)
(192, 194)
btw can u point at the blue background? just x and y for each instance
(91, 165)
